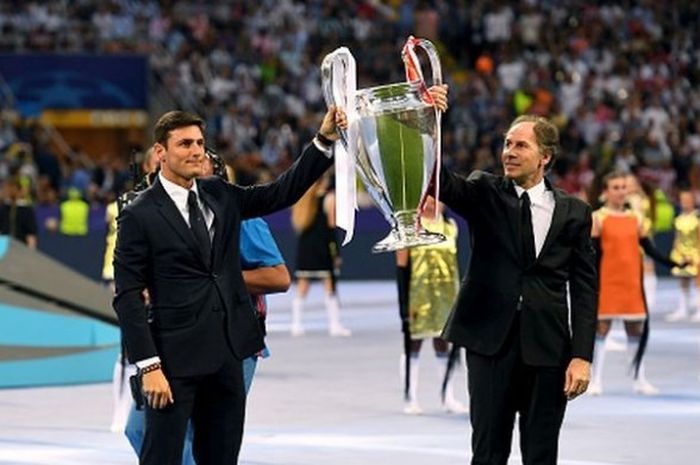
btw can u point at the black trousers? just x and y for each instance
(503, 385)
(216, 404)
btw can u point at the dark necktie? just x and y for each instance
(199, 227)
(526, 234)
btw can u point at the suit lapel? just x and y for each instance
(168, 210)
(561, 210)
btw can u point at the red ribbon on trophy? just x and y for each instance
(415, 74)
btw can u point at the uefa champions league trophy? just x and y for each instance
(393, 139)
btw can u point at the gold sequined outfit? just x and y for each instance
(434, 281)
(110, 242)
(686, 246)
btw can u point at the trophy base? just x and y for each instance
(397, 241)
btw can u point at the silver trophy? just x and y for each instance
(397, 148)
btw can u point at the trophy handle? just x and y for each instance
(335, 92)
(412, 63)
(338, 83)
(434, 58)
(414, 73)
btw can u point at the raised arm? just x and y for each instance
(658, 256)
(650, 249)
(317, 157)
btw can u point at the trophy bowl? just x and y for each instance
(397, 153)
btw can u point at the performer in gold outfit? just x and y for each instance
(110, 242)
(433, 280)
(686, 247)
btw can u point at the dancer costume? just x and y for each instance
(111, 213)
(433, 277)
(434, 281)
(620, 294)
(686, 246)
(317, 248)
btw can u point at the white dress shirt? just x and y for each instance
(542, 209)
(327, 151)
(179, 194)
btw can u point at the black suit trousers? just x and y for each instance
(216, 404)
(501, 386)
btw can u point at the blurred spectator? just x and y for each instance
(74, 214)
(76, 172)
(621, 80)
(7, 133)
(17, 218)
(109, 178)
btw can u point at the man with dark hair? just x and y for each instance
(180, 241)
(174, 120)
(529, 242)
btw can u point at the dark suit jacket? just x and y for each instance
(488, 299)
(198, 313)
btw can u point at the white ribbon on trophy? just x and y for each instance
(341, 65)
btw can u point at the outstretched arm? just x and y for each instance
(651, 250)
(456, 191)
(317, 157)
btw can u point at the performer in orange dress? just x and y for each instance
(618, 233)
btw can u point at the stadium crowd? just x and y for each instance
(620, 80)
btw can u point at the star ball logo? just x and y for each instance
(69, 89)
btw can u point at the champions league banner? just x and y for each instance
(41, 82)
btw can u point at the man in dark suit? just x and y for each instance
(179, 241)
(511, 313)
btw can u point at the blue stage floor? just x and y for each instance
(329, 401)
